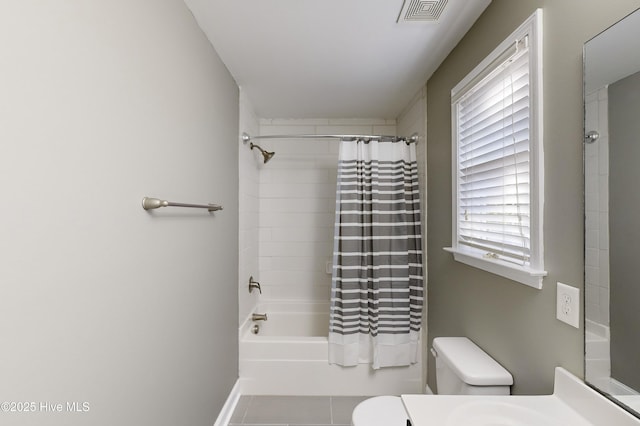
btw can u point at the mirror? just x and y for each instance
(612, 212)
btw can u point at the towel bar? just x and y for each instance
(149, 203)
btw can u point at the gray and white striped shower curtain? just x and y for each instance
(377, 285)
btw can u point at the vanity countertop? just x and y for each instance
(572, 403)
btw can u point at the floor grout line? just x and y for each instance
(331, 409)
(250, 417)
(246, 410)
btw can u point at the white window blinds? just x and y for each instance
(493, 129)
(497, 160)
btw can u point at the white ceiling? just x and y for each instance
(330, 58)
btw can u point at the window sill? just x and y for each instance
(526, 276)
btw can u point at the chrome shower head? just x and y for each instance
(266, 154)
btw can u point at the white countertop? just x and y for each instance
(490, 410)
(572, 403)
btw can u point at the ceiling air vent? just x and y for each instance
(421, 10)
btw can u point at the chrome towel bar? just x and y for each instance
(149, 203)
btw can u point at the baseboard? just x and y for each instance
(229, 406)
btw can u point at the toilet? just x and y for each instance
(462, 368)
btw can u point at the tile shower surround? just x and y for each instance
(297, 205)
(597, 209)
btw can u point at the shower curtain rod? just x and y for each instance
(383, 138)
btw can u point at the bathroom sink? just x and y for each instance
(491, 411)
(572, 403)
(505, 413)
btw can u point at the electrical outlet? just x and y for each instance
(568, 304)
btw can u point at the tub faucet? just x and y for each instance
(258, 317)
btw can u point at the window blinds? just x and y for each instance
(493, 126)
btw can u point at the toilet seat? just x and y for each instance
(380, 411)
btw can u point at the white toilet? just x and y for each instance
(462, 368)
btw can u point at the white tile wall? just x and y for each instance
(297, 204)
(597, 209)
(249, 169)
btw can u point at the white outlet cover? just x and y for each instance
(568, 304)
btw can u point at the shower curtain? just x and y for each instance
(377, 285)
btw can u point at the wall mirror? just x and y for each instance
(612, 211)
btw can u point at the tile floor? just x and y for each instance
(294, 410)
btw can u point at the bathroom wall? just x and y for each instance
(516, 324)
(297, 205)
(102, 302)
(250, 165)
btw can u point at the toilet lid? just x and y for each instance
(380, 411)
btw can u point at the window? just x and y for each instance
(497, 160)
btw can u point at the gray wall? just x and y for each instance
(102, 103)
(512, 322)
(624, 237)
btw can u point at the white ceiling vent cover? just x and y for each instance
(421, 10)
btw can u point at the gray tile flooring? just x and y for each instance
(294, 410)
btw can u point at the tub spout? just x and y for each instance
(258, 317)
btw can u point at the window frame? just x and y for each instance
(533, 274)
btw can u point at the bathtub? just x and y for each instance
(288, 356)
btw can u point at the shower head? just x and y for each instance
(266, 154)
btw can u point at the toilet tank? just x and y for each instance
(462, 368)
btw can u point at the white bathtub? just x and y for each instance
(294, 320)
(289, 357)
